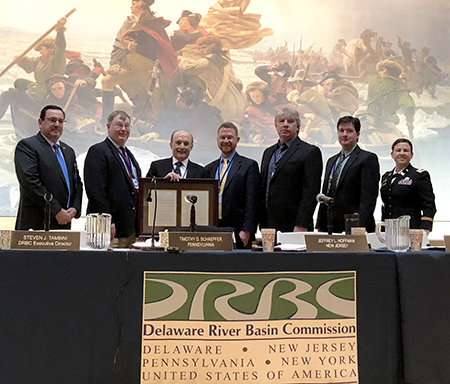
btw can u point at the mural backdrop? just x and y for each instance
(325, 58)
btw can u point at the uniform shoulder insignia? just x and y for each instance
(421, 170)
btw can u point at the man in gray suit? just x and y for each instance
(45, 165)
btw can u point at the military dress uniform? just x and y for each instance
(408, 193)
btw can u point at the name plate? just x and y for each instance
(336, 243)
(201, 241)
(447, 243)
(54, 240)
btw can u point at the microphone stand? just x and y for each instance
(48, 197)
(330, 216)
(192, 225)
(149, 200)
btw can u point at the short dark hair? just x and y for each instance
(181, 130)
(229, 125)
(402, 140)
(123, 116)
(350, 119)
(47, 107)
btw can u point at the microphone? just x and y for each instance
(149, 193)
(191, 198)
(321, 198)
(48, 197)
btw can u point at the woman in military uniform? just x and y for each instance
(407, 190)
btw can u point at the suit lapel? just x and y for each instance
(353, 156)
(289, 152)
(115, 153)
(236, 164)
(52, 156)
(330, 166)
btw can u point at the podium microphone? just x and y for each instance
(48, 197)
(321, 198)
(191, 198)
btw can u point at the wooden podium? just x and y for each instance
(172, 211)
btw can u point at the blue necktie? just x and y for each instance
(62, 163)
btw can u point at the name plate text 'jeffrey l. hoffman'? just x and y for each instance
(52, 240)
(336, 243)
(201, 241)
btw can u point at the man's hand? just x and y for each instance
(113, 230)
(61, 24)
(63, 217)
(79, 83)
(245, 236)
(297, 228)
(172, 176)
(113, 69)
(72, 212)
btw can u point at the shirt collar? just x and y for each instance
(184, 162)
(229, 158)
(346, 153)
(51, 143)
(115, 144)
(288, 143)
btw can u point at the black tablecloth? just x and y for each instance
(75, 317)
(424, 284)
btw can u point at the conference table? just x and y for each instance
(76, 316)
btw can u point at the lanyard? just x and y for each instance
(127, 162)
(337, 165)
(274, 155)
(219, 170)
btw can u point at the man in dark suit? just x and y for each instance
(178, 166)
(351, 179)
(239, 186)
(111, 176)
(291, 171)
(44, 165)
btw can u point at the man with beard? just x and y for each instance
(239, 186)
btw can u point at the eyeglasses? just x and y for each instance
(54, 120)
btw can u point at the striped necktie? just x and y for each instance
(178, 166)
(335, 177)
(222, 181)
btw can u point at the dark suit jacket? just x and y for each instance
(410, 194)
(161, 168)
(356, 192)
(293, 187)
(39, 172)
(240, 195)
(109, 187)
